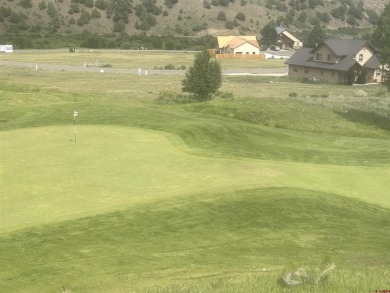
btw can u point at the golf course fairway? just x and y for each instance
(47, 177)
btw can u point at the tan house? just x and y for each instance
(286, 40)
(238, 45)
(336, 61)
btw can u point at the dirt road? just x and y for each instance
(72, 68)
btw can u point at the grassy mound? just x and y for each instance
(191, 239)
(220, 196)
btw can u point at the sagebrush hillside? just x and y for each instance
(181, 17)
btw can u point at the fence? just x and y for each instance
(239, 56)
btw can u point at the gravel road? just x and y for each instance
(72, 68)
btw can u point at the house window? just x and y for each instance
(319, 56)
(329, 58)
(378, 72)
(361, 58)
(295, 69)
(333, 73)
(322, 72)
(306, 70)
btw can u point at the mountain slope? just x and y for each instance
(180, 17)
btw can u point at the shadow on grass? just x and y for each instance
(368, 118)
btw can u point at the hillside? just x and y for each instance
(180, 17)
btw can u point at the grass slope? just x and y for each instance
(214, 197)
(47, 177)
(194, 239)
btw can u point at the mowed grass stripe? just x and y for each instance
(211, 135)
(190, 239)
(46, 176)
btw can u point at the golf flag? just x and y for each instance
(75, 113)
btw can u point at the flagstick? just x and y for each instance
(74, 123)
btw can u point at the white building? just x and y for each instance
(6, 49)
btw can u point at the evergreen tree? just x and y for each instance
(204, 77)
(381, 41)
(268, 34)
(315, 37)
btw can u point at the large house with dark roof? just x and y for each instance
(337, 61)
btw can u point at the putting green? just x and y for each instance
(46, 176)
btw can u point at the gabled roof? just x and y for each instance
(282, 31)
(224, 41)
(290, 36)
(373, 62)
(237, 42)
(346, 49)
(279, 29)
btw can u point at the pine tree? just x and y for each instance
(381, 41)
(268, 34)
(315, 37)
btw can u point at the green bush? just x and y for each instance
(229, 25)
(101, 4)
(26, 3)
(42, 5)
(221, 16)
(293, 95)
(172, 98)
(95, 14)
(240, 16)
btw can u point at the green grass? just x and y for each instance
(196, 239)
(221, 196)
(127, 166)
(129, 59)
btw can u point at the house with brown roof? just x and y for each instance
(336, 61)
(287, 40)
(237, 45)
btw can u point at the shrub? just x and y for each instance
(51, 10)
(42, 5)
(88, 3)
(26, 3)
(95, 14)
(229, 25)
(293, 95)
(169, 67)
(101, 4)
(240, 16)
(171, 98)
(206, 4)
(221, 16)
